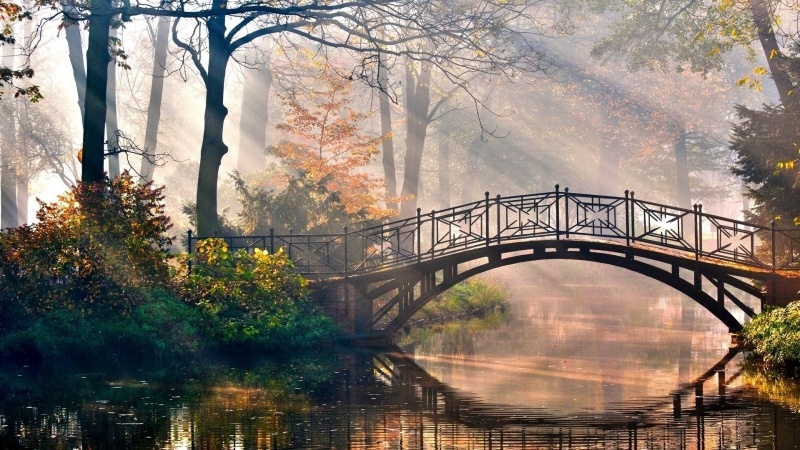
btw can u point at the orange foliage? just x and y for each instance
(328, 147)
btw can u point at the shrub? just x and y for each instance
(162, 327)
(774, 336)
(253, 299)
(470, 297)
(99, 249)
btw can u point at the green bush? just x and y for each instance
(253, 299)
(774, 336)
(163, 327)
(473, 297)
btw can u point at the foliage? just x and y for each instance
(320, 185)
(100, 248)
(162, 327)
(655, 35)
(774, 336)
(9, 13)
(251, 299)
(473, 297)
(301, 206)
(767, 147)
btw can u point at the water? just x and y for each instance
(577, 365)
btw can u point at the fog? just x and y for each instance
(586, 123)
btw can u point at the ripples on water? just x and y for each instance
(554, 375)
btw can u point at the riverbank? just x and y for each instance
(774, 339)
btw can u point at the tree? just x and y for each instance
(160, 39)
(324, 185)
(694, 35)
(10, 76)
(488, 36)
(766, 143)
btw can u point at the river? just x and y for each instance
(587, 358)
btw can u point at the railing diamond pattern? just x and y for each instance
(550, 215)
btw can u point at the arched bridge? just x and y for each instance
(373, 279)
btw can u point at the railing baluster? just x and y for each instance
(633, 216)
(497, 202)
(558, 215)
(486, 231)
(419, 235)
(346, 267)
(696, 234)
(774, 255)
(566, 211)
(700, 228)
(189, 250)
(272, 241)
(627, 219)
(434, 229)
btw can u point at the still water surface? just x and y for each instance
(574, 365)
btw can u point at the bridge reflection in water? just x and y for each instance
(384, 401)
(418, 411)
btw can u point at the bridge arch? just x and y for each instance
(411, 259)
(394, 296)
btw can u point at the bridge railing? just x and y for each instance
(551, 215)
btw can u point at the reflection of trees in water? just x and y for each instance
(363, 400)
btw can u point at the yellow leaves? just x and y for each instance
(773, 53)
(751, 83)
(760, 71)
(788, 165)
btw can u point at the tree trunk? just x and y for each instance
(213, 148)
(75, 49)
(418, 100)
(254, 120)
(389, 170)
(112, 127)
(779, 66)
(160, 45)
(94, 121)
(9, 159)
(444, 172)
(682, 171)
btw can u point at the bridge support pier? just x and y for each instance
(350, 308)
(782, 290)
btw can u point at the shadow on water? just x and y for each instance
(361, 399)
